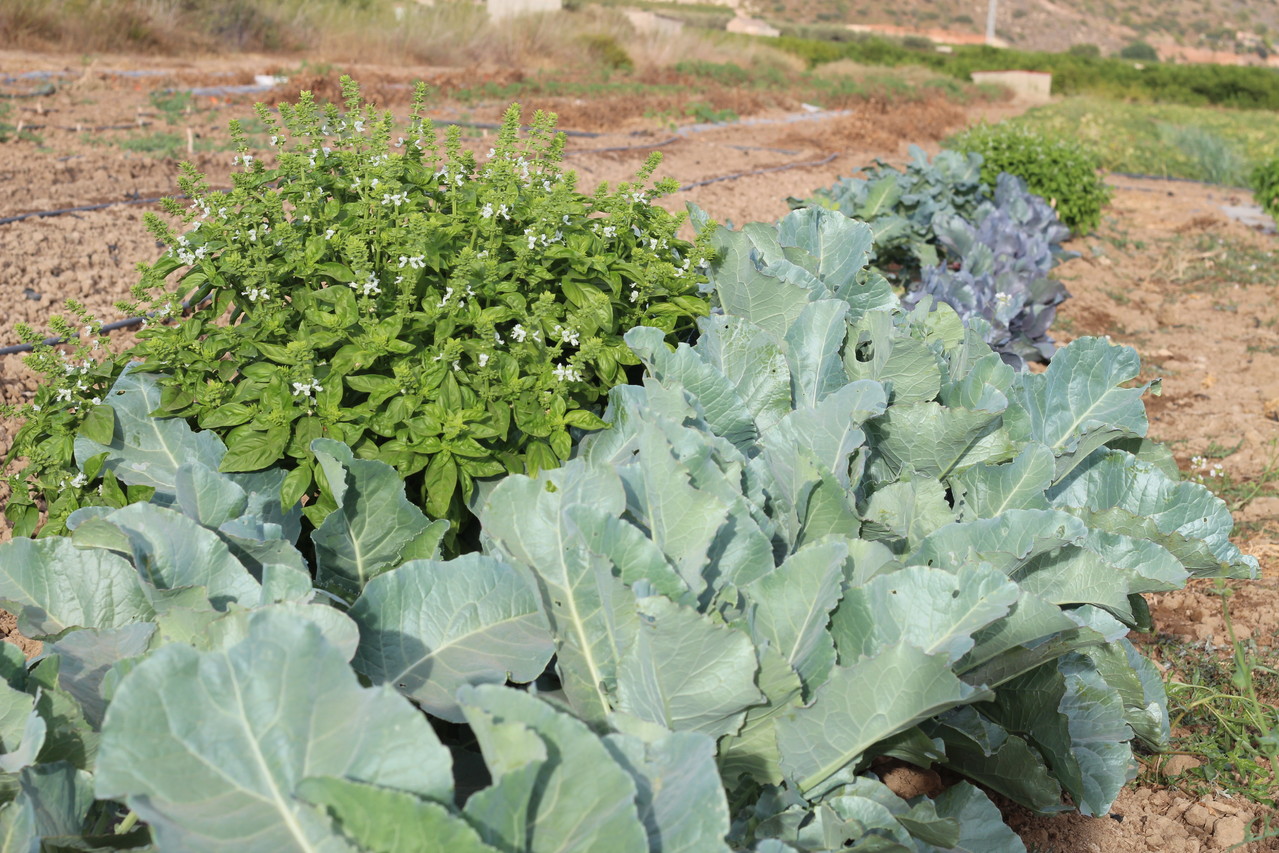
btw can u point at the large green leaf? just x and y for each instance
(832, 247)
(753, 361)
(791, 608)
(981, 826)
(904, 514)
(813, 344)
(988, 490)
(985, 752)
(52, 586)
(686, 673)
(193, 737)
(934, 440)
(933, 609)
(385, 820)
(908, 367)
(681, 519)
(584, 800)
(430, 627)
(86, 657)
(1006, 541)
(848, 716)
(679, 794)
(592, 614)
(144, 450)
(1079, 403)
(753, 751)
(208, 496)
(15, 712)
(1117, 492)
(373, 525)
(52, 803)
(172, 551)
(722, 406)
(769, 302)
(1077, 720)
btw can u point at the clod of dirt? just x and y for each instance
(1180, 764)
(907, 781)
(1227, 832)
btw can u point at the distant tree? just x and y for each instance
(1088, 51)
(1140, 51)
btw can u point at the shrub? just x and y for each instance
(1265, 184)
(453, 319)
(1061, 170)
(1139, 51)
(608, 52)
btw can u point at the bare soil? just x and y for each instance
(1168, 273)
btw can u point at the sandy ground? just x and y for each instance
(1168, 273)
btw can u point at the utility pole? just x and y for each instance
(991, 6)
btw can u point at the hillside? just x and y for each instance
(1231, 26)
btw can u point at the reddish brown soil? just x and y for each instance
(1159, 275)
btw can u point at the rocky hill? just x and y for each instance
(1183, 27)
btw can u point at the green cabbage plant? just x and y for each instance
(830, 532)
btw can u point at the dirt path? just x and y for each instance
(1168, 273)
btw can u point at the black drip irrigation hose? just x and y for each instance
(53, 342)
(661, 144)
(765, 171)
(113, 326)
(1177, 180)
(40, 214)
(83, 129)
(43, 91)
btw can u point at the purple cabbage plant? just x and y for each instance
(997, 269)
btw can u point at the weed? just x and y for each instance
(173, 104)
(1223, 710)
(1219, 451)
(10, 132)
(707, 114)
(1236, 493)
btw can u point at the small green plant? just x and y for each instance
(1226, 709)
(708, 114)
(9, 132)
(1265, 185)
(1236, 493)
(172, 104)
(1061, 170)
(452, 318)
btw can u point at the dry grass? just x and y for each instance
(913, 75)
(449, 34)
(653, 51)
